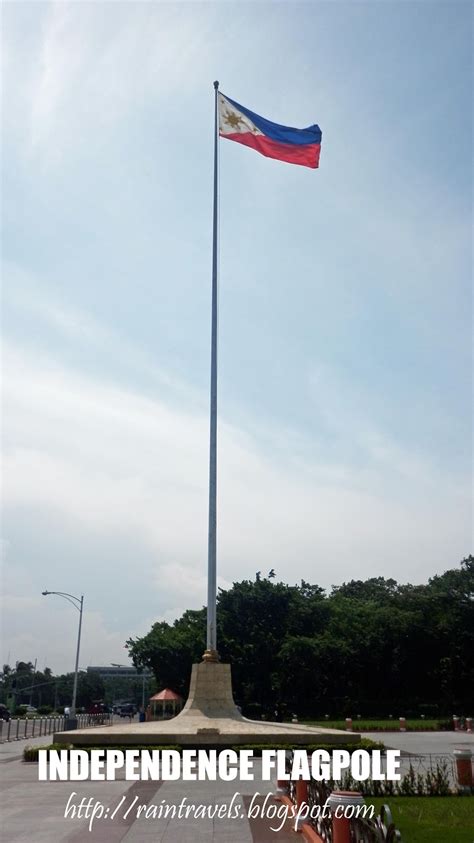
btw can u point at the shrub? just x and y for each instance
(445, 725)
(30, 753)
(434, 782)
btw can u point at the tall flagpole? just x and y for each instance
(211, 645)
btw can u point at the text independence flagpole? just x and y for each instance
(211, 651)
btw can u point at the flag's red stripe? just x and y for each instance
(307, 155)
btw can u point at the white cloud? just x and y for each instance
(115, 465)
(111, 459)
(117, 469)
(24, 296)
(34, 628)
(95, 62)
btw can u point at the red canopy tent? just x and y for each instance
(171, 703)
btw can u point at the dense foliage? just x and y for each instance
(22, 685)
(374, 646)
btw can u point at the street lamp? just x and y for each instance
(78, 603)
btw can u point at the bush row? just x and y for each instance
(30, 753)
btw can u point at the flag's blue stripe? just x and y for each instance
(284, 134)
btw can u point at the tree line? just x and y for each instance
(374, 647)
(24, 685)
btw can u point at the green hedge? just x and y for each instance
(30, 753)
(374, 725)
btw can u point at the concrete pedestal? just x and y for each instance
(209, 718)
(210, 692)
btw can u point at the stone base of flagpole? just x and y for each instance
(209, 718)
(210, 692)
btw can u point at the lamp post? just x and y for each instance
(78, 603)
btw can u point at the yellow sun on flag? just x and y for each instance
(233, 119)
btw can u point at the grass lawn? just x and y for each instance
(368, 725)
(431, 819)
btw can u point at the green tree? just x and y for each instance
(371, 646)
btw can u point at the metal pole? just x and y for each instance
(74, 690)
(211, 651)
(33, 685)
(79, 605)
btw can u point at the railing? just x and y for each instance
(437, 769)
(20, 728)
(361, 829)
(318, 794)
(380, 829)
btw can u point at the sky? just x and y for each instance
(345, 312)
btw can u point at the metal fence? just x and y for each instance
(17, 729)
(431, 772)
(380, 829)
(376, 829)
(318, 793)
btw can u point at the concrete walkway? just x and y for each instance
(424, 743)
(13, 750)
(34, 810)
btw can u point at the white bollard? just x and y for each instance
(341, 825)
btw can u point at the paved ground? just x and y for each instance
(425, 750)
(35, 810)
(424, 743)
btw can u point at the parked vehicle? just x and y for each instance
(128, 710)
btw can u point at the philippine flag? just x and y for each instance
(296, 146)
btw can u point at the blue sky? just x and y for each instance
(345, 306)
